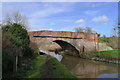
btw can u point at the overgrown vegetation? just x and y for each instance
(104, 40)
(15, 47)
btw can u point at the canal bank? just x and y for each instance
(109, 56)
(45, 66)
(54, 69)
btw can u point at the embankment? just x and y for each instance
(109, 56)
(52, 68)
(45, 66)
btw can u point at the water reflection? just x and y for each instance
(108, 75)
(57, 56)
(89, 69)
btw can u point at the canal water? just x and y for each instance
(83, 68)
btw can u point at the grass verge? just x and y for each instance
(54, 69)
(109, 53)
(44, 66)
(109, 56)
(36, 67)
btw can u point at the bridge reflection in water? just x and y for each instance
(89, 69)
(57, 56)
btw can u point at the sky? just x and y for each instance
(65, 16)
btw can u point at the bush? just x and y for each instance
(15, 43)
(18, 36)
(28, 52)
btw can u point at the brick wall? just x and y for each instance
(89, 41)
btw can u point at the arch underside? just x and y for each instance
(67, 47)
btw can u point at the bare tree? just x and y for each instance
(88, 31)
(16, 18)
(79, 29)
(84, 30)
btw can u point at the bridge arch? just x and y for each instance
(66, 46)
(78, 41)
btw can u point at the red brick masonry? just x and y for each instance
(89, 41)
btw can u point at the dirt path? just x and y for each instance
(47, 69)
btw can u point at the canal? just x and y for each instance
(83, 68)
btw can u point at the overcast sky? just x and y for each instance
(65, 16)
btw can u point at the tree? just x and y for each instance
(104, 36)
(98, 34)
(88, 30)
(79, 29)
(16, 18)
(15, 45)
(9, 53)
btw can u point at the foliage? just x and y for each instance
(104, 39)
(15, 43)
(9, 51)
(99, 35)
(6, 61)
(18, 36)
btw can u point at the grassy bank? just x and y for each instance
(108, 53)
(111, 56)
(44, 66)
(54, 69)
(36, 70)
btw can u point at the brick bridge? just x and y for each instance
(75, 43)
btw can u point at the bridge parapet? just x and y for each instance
(64, 34)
